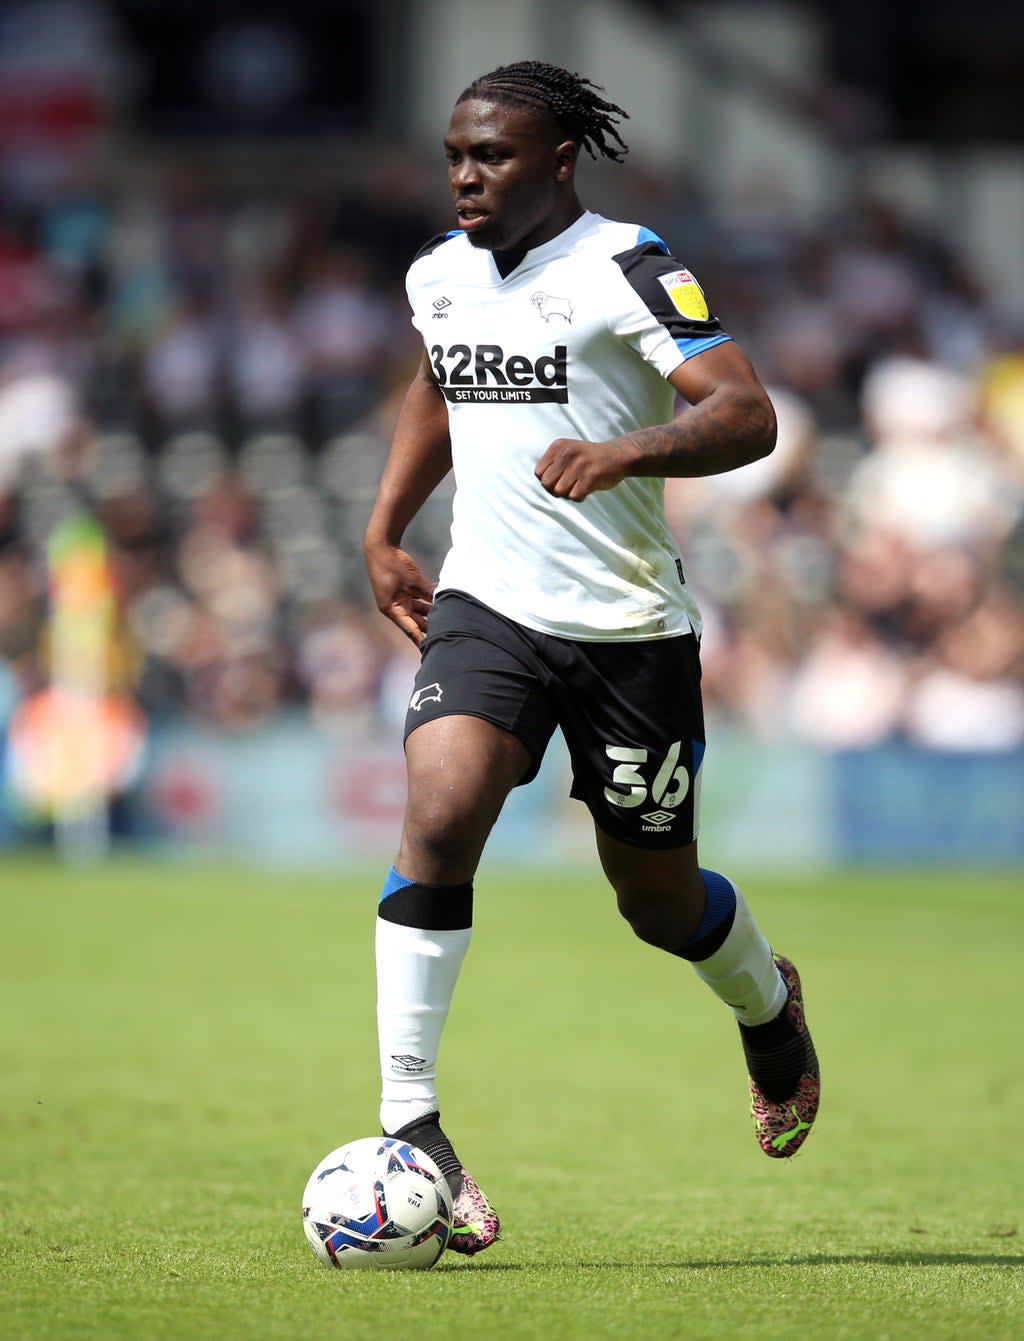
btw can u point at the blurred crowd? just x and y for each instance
(215, 380)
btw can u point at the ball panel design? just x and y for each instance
(377, 1202)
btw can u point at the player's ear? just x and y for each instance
(566, 155)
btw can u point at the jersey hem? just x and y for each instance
(553, 631)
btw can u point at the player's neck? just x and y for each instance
(560, 218)
(508, 259)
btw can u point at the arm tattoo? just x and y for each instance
(726, 430)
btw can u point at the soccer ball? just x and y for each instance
(377, 1202)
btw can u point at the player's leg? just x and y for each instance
(460, 770)
(699, 915)
(477, 725)
(635, 729)
(673, 903)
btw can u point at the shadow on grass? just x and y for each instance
(732, 1264)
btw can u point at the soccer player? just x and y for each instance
(556, 342)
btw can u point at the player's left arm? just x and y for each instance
(728, 422)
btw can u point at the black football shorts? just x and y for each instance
(630, 712)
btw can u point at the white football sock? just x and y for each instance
(416, 975)
(742, 971)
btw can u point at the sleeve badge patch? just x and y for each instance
(686, 294)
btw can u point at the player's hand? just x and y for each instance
(573, 469)
(400, 589)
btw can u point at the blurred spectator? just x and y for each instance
(266, 368)
(931, 476)
(969, 691)
(874, 280)
(40, 419)
(180, 367)
(339, 658)
(851, 688)
(344, 326)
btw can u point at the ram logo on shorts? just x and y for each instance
(430, 693)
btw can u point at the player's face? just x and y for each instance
(510, 174)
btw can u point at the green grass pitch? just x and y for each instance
(180, 1045)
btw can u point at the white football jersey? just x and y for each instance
(576, 341)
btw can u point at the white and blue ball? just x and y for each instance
(377, 1202)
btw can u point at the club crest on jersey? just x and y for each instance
(486, 374)
(686, 294)
(550, 307)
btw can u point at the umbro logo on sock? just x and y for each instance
(407, 1063)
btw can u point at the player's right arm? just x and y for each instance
(419, 459)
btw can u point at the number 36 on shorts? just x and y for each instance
(668, 789)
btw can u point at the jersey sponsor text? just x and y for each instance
(486, 374)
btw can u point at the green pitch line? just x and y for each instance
(180, 1046)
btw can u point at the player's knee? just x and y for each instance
(442, 840)
(643, 914)
(439, 842)
(662, 920)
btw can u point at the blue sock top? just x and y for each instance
(720, 905)
(393, 882)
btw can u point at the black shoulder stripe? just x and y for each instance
(433, 244)
(643, 266)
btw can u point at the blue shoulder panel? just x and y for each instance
(647, 235)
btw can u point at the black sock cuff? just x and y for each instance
(425, 1134)
(429, 907)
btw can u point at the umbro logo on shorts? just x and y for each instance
(657, 820)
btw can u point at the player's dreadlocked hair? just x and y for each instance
(570, 98)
